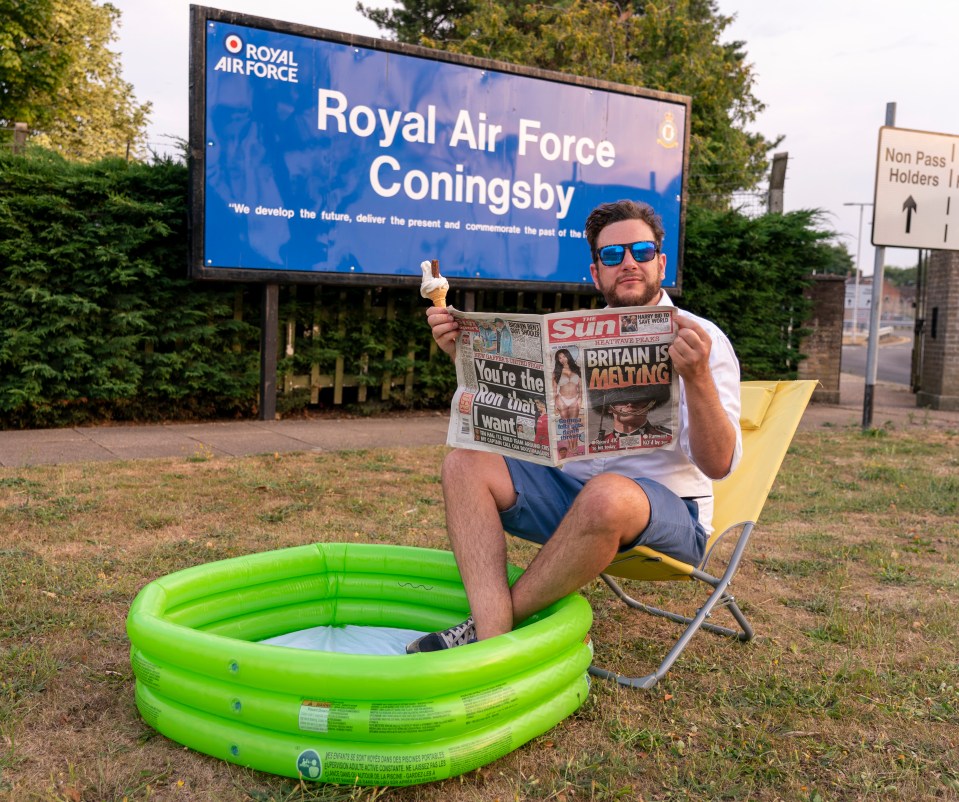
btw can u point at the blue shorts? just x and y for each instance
(545, 494)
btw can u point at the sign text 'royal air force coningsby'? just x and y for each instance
(388, 177)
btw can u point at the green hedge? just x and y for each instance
(97, 317)
(99, 321)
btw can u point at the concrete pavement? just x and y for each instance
(894, 405)
(219, 439)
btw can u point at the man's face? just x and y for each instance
(629, 415)
(629, 283)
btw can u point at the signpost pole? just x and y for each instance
(269, 321)
(872, 352)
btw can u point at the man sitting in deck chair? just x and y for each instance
(586, 512)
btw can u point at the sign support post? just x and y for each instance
(872, 352)
(269, 320)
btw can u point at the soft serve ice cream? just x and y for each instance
(433, 285)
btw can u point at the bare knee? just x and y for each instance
(614, 504)
(461, 463)
(466, 471)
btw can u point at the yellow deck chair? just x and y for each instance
(771, 411)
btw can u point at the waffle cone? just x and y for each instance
(438, 297)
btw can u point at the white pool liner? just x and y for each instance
(349, 639)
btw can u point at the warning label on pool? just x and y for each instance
(373, 717)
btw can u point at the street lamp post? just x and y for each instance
(855, 303)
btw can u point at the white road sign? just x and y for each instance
(917, 190)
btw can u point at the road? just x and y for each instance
(894, 363)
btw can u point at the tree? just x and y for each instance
(417, 20)
(58, 75)
(901, 276)
(670, 45)
(749, 276)
(838, 261)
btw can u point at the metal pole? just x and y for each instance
(872, 352)
(915, 371)
(855, 313)
(855, 303)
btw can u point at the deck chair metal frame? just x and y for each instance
(771, 412)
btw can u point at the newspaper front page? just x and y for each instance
(565, 386)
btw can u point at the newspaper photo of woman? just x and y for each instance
(542, 423)
(567, 385)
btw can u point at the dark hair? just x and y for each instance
(558, 369)
(601, 399)
(608, 213)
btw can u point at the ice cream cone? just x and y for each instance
(433, 285)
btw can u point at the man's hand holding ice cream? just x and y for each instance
(435, 287)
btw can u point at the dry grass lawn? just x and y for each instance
(849, 692)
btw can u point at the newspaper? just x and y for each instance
(565, 386)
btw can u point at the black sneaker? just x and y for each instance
(459, 635)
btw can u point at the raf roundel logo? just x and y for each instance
(233, 43)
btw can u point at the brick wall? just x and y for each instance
(939, 374)
(823, 345)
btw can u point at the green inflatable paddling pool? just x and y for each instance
(204, 680)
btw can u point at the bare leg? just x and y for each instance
(476, 486)
(608, 513)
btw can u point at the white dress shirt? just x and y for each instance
(676, 468)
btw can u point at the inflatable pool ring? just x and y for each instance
(204, 680)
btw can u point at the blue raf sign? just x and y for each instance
(328, 156)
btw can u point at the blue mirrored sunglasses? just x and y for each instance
(612, 255)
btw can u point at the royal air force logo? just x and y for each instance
(258, 61)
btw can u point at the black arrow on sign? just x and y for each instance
(909, 207)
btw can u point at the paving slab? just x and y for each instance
(362, 433)
(142, 442)
(238, 439)
(49, 447)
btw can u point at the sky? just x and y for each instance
(825, 69)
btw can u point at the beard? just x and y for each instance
(640, 294)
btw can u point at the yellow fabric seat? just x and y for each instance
(771, 412)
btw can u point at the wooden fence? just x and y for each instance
(14, 136)
(335, 317)
(308, 315)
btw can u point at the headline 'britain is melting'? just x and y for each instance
(627, 367)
